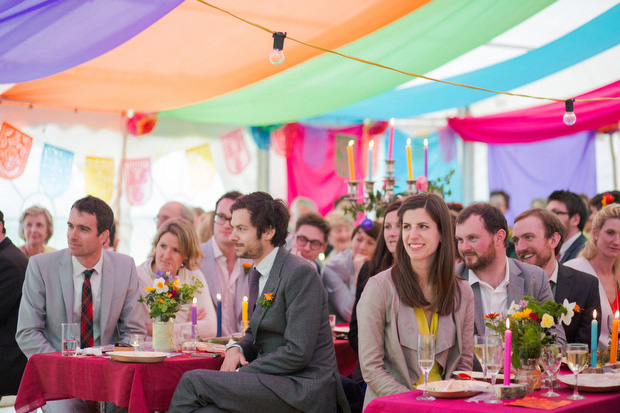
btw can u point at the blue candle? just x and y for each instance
(219, 315)
(593, 340)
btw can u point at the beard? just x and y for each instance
(539, 258)
(479, 261)
(249, 252)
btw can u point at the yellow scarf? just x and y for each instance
(435, 373)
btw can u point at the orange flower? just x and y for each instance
(491, 315)
(269, 296)
(160, 299)
(247, 265)
(168, 295)
(577, 308)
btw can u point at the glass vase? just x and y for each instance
(163, 336)
(529, 374)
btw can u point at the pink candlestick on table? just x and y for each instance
(507, 352)
(426, 158)
(391, 140)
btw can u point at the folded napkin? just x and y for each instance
(539, 403)
(90, 351)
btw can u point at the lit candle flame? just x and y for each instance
(218, 296)
(508, 324)
(371, 144)
(408, 141)
(594, 314)
(351, 142)
(392, 122)
(617, 314)
(425, 142)
(195, 300)
(245, 298)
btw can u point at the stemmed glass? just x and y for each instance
(494, 355)
(551, 359)
(577, 355)
(426, 359)
(479, 343)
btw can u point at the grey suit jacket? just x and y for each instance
(208, 269)
(289, 344)
(388, 338)
(524, 280)
(47, 301)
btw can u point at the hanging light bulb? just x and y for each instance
(277, 54)
(569, 115)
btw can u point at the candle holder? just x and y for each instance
(369, 188)
(389, 167)
(411, 188)
(352, 189)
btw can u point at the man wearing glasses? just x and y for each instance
(573, 213)
(223, 271)
(310, 239)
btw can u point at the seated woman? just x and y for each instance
(340, 273)
(176, 249)
(36, 227)
(420, 294)
(601, 257)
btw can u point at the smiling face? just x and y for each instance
(476, 245)
(391, 230)
(607, 239)
(420, 235)
(35, 230)
(82, 238)
(531, 245)
(168, 255)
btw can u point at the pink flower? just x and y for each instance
(421, 183)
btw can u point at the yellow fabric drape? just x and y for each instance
(435, 373)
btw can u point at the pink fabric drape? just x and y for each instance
(541, 122)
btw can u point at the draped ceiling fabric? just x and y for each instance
(196, 53)
(541, 122)
(81, 30)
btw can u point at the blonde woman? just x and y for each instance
(176, 249)
(36, 227)
(601, 257)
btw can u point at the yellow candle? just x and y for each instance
(614, 340)
(244, 309)
(410, 169)
(351, 164)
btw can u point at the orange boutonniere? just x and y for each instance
(266, 302)
(491, 315)
(247, 267)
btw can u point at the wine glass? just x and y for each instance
(577, 355)
(426, 359)
(494, 356)
(136, 340)
(479, 343)
(551, 359)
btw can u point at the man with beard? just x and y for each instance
(538, 236)
(286, 361)
(497, 280)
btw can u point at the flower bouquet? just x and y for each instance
(530, 323)
(167, 295)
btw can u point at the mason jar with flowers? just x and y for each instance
(530, 324)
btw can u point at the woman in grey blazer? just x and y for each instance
(422, 277)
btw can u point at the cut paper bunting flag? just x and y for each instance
(201, 169)
(138, 180)
(235, 151)
(99, 177)
(55, 173)
(14, 150)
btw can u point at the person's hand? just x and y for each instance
(296, 251)
(201, 314)
(234, 358)
(358, 262)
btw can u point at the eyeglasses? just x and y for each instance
(302, 241)
(221, 219)
(560, 212)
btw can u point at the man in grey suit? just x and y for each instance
(497, 281)
(573, 213)
(538, 235)
(286, 361)
(223, 271)
(55, 283)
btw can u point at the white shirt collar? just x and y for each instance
(473, 278)
(554, 274)
(78, 268)
(217, 252)
(264, 267)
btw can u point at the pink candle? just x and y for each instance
(426, 158)
(194, 314)
(507, 351)
(391, 140)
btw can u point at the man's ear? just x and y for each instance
(500, 236)
(269, 233)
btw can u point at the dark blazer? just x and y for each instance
(13, 265)
(290, 342)
(574, 250)
(577, 286)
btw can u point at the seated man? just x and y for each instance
(573, 213)
(82, 284)
(286, 360)
(310, 238)
(538, 236)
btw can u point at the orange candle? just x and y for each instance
(351, 164)
(614, 340)
(409, 166)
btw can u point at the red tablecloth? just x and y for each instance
(141, 387)
(346, 357)
(406, 402)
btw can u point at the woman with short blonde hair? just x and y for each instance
(36, 227)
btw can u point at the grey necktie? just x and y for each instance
(254, 277)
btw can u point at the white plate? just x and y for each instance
(593, 383)
(342, 329)
(455, 389)
(137, 356)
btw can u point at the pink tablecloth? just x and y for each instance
(141, 387)
(406, 402)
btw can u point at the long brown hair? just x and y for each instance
(441, 275)
(382, 259)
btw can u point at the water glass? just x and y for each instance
(69, 339)
(494, 355)
(136, 340)
(479, 350)
(577, 355)
(551, 359)
(188, 338)
(426, 359)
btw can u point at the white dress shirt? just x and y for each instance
(494, 300)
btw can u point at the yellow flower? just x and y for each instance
(547, 321)
(177, 284)
(150, 289)
(525, 314)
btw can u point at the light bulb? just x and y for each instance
(277, 54)
(569, 116)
